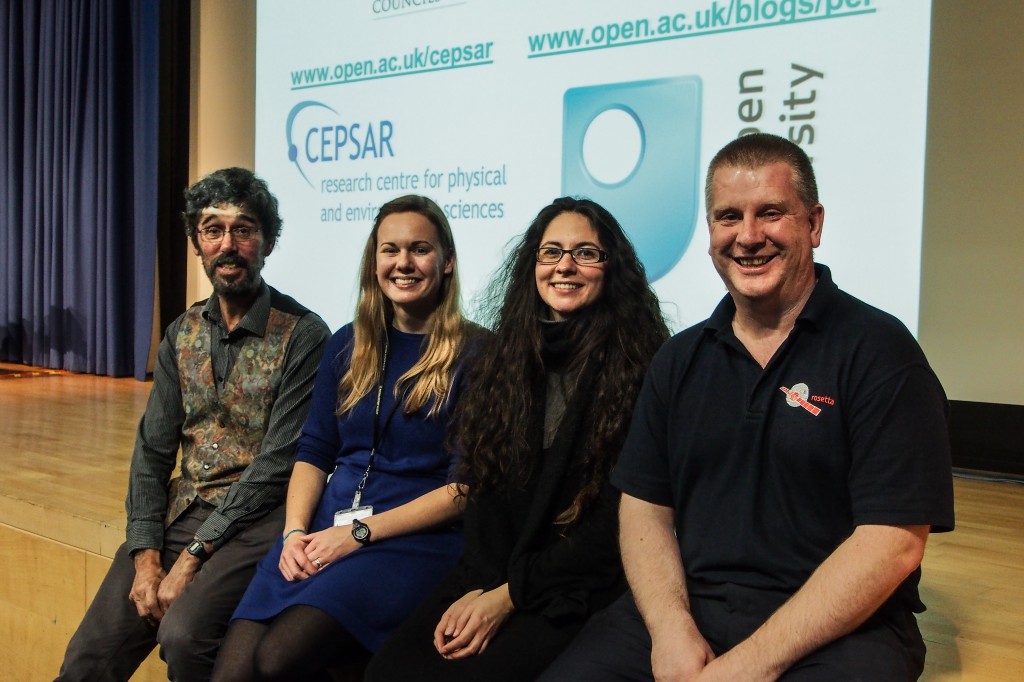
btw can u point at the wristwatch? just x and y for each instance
(361, 532)
(196, 549)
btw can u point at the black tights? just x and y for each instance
(302, 642)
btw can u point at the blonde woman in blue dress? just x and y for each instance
(360, 548)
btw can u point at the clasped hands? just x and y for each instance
(303, 556)
(690, 658)
(468, 626)
(153, 589)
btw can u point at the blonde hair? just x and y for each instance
(429, 380)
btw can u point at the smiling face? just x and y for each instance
(233, 267)
(411, 268)
(566, 287)
(763, 236)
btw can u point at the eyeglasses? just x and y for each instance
(240, 233)
(583, 255)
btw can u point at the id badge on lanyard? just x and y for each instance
(345, 517)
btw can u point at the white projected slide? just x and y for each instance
(494, 108)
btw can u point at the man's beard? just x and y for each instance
(240, 287)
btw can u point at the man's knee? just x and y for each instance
(875, 653)
(188, 643)
(111, 641)
(613, 645)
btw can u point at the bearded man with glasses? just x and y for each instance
(231, 390)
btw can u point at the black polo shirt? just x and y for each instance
(769, 470)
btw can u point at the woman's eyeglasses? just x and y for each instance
(583, 255)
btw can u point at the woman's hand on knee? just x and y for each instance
(294, 564)
(329, 545)
(447, 628)
(469, 625)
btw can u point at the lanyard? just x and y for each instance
(378, 431)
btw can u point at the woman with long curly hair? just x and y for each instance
(546, 411)
(361, 548)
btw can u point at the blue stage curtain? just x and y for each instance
(78, 183)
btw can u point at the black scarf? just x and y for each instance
(502, 525)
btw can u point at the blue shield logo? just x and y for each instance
(635, 149)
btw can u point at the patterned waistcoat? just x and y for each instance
(221, 435)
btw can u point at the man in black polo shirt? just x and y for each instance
(787, 459)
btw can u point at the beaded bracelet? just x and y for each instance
(294, 530)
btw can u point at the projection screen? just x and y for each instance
(494, 108)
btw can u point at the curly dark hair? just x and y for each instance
(614, 338)
(234, 187)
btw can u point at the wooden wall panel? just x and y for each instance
(45, 588)
(42, 597)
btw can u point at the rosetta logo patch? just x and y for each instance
(635, 149)
(317, 135)
(797, 397)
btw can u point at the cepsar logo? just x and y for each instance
(326, 137)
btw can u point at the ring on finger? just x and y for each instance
(318, 563)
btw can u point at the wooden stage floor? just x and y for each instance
(66, 442)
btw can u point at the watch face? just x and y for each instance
(197, 550)
(361, 532)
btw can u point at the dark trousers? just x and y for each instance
(519, 651)
(112, 640)
(614, 646)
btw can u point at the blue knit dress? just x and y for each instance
(371, 590)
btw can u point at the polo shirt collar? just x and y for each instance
(721, 318)
(821, 304)
(255, 320)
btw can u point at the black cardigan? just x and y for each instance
(555, 570)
